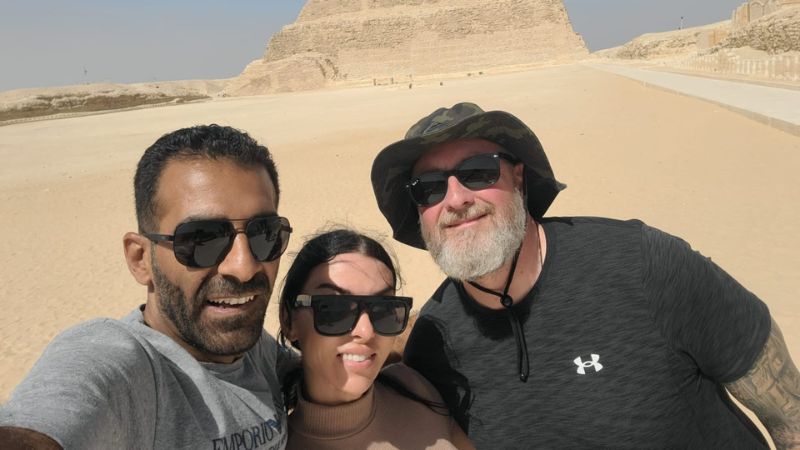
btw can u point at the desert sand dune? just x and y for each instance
(725, 183)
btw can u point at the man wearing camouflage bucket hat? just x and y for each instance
(571, 332)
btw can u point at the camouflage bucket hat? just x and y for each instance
(391, 169)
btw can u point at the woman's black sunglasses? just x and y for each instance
(338, 314)
(205, 243)
(477, 172)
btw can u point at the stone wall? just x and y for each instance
(756, 9)
(765, 48)
(711, 38)
(322, 9)
(776, 33)
(363, 40)
(783, 67)
(295, 73)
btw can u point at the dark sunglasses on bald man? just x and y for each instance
(338, 314)
(474, 173)
(205, 243)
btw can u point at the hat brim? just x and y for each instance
(392, 168)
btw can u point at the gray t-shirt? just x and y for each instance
(120, 384)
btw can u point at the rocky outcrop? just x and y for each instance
(669, 44)
(347, 41)
(767, 48)
(761, 42)
(772, 26)
(664, 45)
(776, 33)
(755, 9)
(27, 104)
(304, 71)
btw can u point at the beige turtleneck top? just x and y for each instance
(380, 419)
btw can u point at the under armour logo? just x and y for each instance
(595, 362)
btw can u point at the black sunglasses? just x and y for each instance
(205, 243)
(475, 173)
(338, 314)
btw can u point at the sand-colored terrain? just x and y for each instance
(723, 182)
(22, 105)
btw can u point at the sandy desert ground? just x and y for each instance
(725, 183)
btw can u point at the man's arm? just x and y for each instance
(94, 387)
(772, 390)
(13, 438)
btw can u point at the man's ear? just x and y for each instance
(137, 255)
(519, 177)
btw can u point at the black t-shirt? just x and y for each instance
(630, 335)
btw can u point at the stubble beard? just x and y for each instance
(220, 337)
(471, 253)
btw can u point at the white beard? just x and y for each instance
(474, 252)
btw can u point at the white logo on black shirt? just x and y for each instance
(595, 362)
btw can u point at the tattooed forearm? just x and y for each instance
(772, 390)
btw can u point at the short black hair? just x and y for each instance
(202, 141)
(321, 249)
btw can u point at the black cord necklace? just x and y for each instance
(523, 363)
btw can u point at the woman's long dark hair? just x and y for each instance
(321, 249)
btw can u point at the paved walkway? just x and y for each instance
(777, 107)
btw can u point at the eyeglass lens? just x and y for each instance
(205, 243)
(477, 172)
(335, 316)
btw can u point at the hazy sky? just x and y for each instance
(57, 42)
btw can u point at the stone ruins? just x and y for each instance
(761, 41)
(756, 9)
(393, 41)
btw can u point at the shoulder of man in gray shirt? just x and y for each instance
(119, 384)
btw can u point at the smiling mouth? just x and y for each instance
(465, 222)
(356, 358)
(231, 302)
